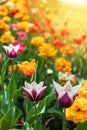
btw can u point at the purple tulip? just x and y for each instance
(34, 91)
(66, 94)
(12, 50)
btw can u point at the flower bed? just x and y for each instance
(41, 77)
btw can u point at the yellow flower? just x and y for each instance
(23, 25)
(47, 50)
(80, 113)
(63, 65)
(10, 67)
(79, 107)
(27, 68)
(7, 38)
(25, 17)
(3, 26)
(37, 41)
(3, 10)
(6, 19)
(83, 90)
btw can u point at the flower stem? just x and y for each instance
(36, 118)
(64, 120)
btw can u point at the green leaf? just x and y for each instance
(81, 126)
(41, 107)
(55, 110)
(27, 126)
(11, 89)
(10, 118)
(3, 70)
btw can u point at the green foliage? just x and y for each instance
(10, 118)
(81, 126)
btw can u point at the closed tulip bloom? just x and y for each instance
(12, 50)
(66, 94)
(34, 91)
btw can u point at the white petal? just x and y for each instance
(34, 84)
(61, 93)
(76, 88)
(6, 48)
(39, 90)
(27, 85)
(16, 48)
(68, 86)
(40, 85)
(57, 87)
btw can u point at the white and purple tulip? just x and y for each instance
(34, 91)
(12, 50)
(66, 94)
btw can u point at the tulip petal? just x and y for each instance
(40, 93)
(16, 48)
(75, 89)
(57, 87)
(34, 84)
(40, 84)
(34, 94)
(27, 85)
(12, 54)
(65, 101)
(28, 93)
(68, 86)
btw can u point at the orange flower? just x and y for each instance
(3, 26)
(63, 65)
(27, 68)
(67, 49)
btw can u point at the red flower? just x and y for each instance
(13, 12)
(84, 36)
(78, 40)
(58, 43)
(33, 28)
(64, 33)
(43, 30)
(52, 30)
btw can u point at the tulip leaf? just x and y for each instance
(3, 70)
(11, 90)
(81, 126)
(10, 118)
(55, 110)
(41, 107)
(27, 126)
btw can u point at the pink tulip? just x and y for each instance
(22, 47)
(15, 27)
(22, 34)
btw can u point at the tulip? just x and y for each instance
(66, 94)
(34, 91)
(12, 50)
(22, 47)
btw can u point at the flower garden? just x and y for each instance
(43, 67)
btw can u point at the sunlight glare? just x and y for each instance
(81, 2)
